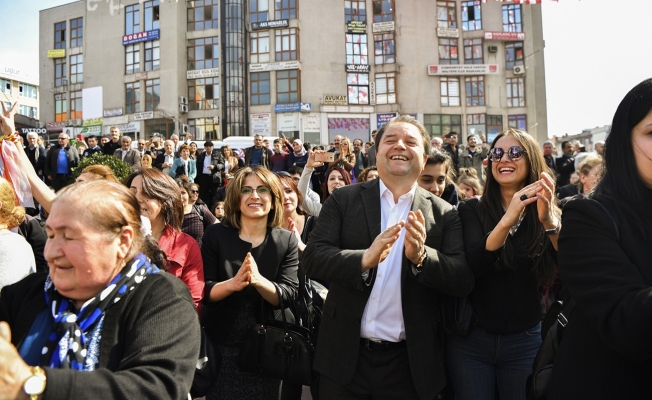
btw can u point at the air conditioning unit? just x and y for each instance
(183, 108)
(77, 122)
(183, 100)
(69, 123)
(519, 70)
(493, 49)
(184, 129)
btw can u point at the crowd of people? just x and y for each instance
(120, 280)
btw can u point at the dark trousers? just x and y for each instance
(379, 375)
(206, 188)
(59, 181)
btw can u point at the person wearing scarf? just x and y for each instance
(99, 310)
(299, 156)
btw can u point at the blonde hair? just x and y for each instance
(469, 177)
(11, 213)
(100, 172)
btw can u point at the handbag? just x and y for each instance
(278, 349)
(208, 366)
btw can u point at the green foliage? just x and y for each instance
(120, 168)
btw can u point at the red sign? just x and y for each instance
(507, 36)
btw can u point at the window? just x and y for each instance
(259, 48)
(441, 124)
(513, 55)
(60, 35)
(152, 55)
(132, 58)
(203, 128)
(512, 18)
(260, 93)
(356, 49)
(204, 93)
(258, 10)
(202, 14)
(152, 15)
(287, 86)
(355, 10)
(473, 51)
(132, 19)
(517, 122)
(357, 86)
(152, 94)
(446, 17)
(76, 32)
(448, 51)
(60, 108)
(286, 44)
(515, 92)
(474, 90)
(5, 86)
(475, 124)
(285, 9)
(386, 88)
(494, 126)
(76, 104)
(384, 51)
(471, 16)
(25, 90)
(383, 10)
(450, 92)
(77, 68)
(60, 72)
(27, 111)
(203, 53)
(132, 98)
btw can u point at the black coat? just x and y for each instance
(217, 161)
(348, 223)
(606, 351)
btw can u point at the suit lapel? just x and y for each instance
(370, 195)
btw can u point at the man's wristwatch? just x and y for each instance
(421, 259)
(35, 384)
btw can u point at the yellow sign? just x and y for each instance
(92, 121)
(57, 53)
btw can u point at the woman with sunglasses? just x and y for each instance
(196, 218)
(247, 258)
(510, 240)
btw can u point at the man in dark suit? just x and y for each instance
(565, 164)
(35, 153)
(209, 172)
(390, 249)
(127, 154)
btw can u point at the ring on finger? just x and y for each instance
(524, 197)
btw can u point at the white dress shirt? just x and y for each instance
(383, 315)
(207, 163)
(169, 158)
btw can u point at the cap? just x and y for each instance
(208, 143)
(106, 135)
(156, 134)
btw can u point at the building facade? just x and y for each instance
(18, 86)
(309, 69)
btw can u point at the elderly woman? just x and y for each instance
(160, 201)
(604, 262)
(104, 322)
(16, 255)
(590, 171)
(246, 259)
(184, 165)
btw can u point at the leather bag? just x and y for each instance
(278, 349)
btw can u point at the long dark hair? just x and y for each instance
(160, 186)
(324, 186)
(621, 181)
(539, 246)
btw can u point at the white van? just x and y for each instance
(242, 142)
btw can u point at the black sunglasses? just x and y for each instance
(514, 153)
(194, 191)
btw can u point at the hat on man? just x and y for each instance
(106, 135)
(208, 143)
(450, 135)
(156, 134)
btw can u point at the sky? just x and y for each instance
(595, 52)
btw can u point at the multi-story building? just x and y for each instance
(311, 69)
(18, 86)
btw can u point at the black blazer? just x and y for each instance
(348, 223)
(217, 161)
(606, 352)
(223, 252)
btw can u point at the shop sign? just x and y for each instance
(464, 69)
(279, 23)
(261, 124)
(358, 68)
(292, 107)
(112, 112)
(382, 119)
(448, 32)
(144, 115)
(39, 131)
(387, 26)
(356, 27)
(92, 121)
(57, 53)
(506, 36)
(275, 66)
(202, 73)
(141, 37)
(335, 100)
